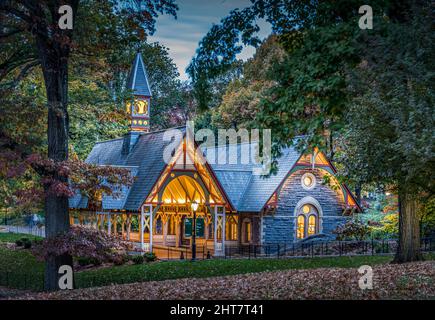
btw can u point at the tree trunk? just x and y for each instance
(54, 61)
(358, 192)
(409, 229)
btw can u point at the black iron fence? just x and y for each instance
(183, 253)
(323, 248)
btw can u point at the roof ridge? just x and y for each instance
(161, 130)
(242, 197)
(114, 139)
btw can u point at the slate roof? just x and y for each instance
(147, 159)
(246, 191)
(138, 78)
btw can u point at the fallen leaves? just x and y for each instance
(390, 281)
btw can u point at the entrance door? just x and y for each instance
(307, 221)
(246, 231)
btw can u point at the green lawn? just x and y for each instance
(23, 271)
(210, 268)
(12, 237)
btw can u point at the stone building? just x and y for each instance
(233, 205)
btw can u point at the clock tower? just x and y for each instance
(139, 106)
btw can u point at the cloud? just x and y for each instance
(194, 19)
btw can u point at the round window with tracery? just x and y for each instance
(308, 181)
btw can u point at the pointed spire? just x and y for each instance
(139, 106)
(138, 79)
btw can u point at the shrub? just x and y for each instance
(83, 242)
(120, 260)
(352, 230)
(27, 244)
(96, 261)
(150, 256)
(139, 259)
(37, 241)
(84, 261)
(19, 243)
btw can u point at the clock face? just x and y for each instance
(141, 107)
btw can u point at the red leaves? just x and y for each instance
(352, 229)
(83, 242)
(61, 178)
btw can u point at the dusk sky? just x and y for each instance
(194, 19)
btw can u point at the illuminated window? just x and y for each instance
(128, 107)
(134, 122)
(172, 225)
(307, 222)
(308, 181)
(247, 231)
(231, 228)
(301, 227)
(141, 107)
(311, 225)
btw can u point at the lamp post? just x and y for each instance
(194, 206)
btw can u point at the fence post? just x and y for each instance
(340, 248)
(373, 252)
(277, 251)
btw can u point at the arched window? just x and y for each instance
(312, 225)
(231, 228)
(301, 227)
(158, 226)
(307, 221)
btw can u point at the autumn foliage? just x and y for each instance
(83, 242)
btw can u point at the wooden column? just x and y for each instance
(177, 230)
(141, 224)
(115, 224)
(123, 218)
(128, 226)
(109, 224)
(165, 219)
(219, 225)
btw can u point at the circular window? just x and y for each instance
(308, 181)
(306, 209)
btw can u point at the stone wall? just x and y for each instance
(280, 227)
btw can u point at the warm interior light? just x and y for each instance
(308, 181)
(306, 209)
(194, 205)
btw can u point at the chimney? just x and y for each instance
(130, 140)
